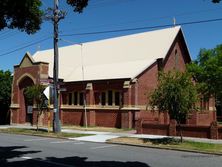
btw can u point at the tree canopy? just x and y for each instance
(216, 1)
(23, 14)
(26, 15)
(5, 88)
(35, 94)
(175, 94)
(207, 71)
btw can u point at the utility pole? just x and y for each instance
(57, 15)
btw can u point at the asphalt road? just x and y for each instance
(22, 151)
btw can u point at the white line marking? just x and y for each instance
(61, 142)
(79, 143)
(49, 162)
(26, 157)
(35, 139)
(100, 147)
(54, 163)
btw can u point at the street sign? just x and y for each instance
(47, 92)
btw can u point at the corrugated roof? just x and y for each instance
(114, 58)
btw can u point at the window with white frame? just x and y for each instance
(110, 98)
(76, 98)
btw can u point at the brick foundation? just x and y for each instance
(214, 131)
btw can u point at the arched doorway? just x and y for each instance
(25, 112)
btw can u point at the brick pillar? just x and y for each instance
(172, 128)
(214, 130)
(166, 118)
(127, 97)
(139, 129)
(92, 118)
(14, 116)
(126, 119)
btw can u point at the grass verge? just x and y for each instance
(95, 128)
(40, 132)
(171, 143)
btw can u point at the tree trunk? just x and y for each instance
(180, 132)
(37, 122)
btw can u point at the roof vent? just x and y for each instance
(126, 84)
(89, 86)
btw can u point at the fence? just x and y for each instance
(213, 131)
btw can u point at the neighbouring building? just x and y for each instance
(114, 75)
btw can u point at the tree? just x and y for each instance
(175, 94)
(23, 14)
(26, 15)
(216, 1)
(207, 71)
(5, 95)
(35, 93)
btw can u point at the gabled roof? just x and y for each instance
(115, 58)
(28, 61)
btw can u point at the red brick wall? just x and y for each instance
(23, 77)
(107, 118)
(195, 131)
(156, 129)
(220, 132)
(18, 72)
(48, 116)
(195, 118)
(73, 117)
(154, 117)
(213, 131)
(201, 118)
(15, 116)
(179, 63)
(147, 81)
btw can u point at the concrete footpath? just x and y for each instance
(102, 137)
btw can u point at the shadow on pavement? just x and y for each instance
(82, 162)
(7, 153)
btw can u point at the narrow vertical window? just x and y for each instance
(103, 98)
(117, 98)
(81, 98)
(75, 98)
(97, 98)
(70, 99)
(176, 59)
(110, 98)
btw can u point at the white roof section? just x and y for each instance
(114, 58)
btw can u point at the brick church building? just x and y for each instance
(114, 75)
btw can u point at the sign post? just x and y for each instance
(46, 92)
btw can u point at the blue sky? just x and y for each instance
(103, 15)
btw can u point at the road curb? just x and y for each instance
(165, 148)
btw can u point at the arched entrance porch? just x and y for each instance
(25, 112)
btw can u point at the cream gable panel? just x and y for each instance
(27, 61)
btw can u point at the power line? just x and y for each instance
(24, 43)
(143, 28)
(145, 20)
(17, 49)
(180, 14)
(8, 36)
(113, 31)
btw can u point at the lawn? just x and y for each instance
(96, 128)
(40, 132)
(171, 143)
